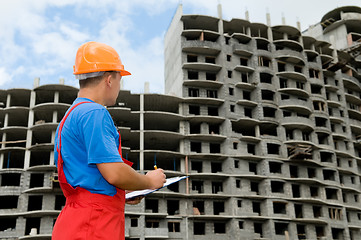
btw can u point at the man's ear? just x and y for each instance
(108, 80)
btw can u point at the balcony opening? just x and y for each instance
(199, 228)
(215, 148)
(320, 232)
(317, 211)
(151, 205)
(194, 110)
(197, 166)
(134, 221)
(192, 75)
(217, 187)
(219, 228)
(211, 76)
(269, 112)
(267, 95)
(329, 175)
(262, 45)
(331, 193)
(301, 232)
(322, 138)
(196, 147)
(296, 193)
(31, 223)
(254, 187)
(9, 202)
(298, 69)
(243, 61)
(173, 207)
(277, 187)
(337, 233)
(195, 128)
(264, 61)
(213, 129)
(216, 167)
(316, 89)
(173, 226)
(218, 207)
(7, 224)
(152, 223)
(298, 210)
(275, 167)
(273, 148)
(36, 180)
(10, 179)
(174, 187)
(210, 60)
(35, 202)
(39, 158)
(289, 134)
(252, 167)
(14, 159)
(198, 208)
(197, 186)
(251, 148)
(326, 157)
(293, 171)
(269, 130)
(266, 78)
(311, 172)
(314, 191)
(192, 58)
(279, 207)
(244, 77)
(321, 122)
(59, 202)
(335, 213)
(314, 73)
(248, 112)
(281, 228)
(283, 83)
(212, 94)
(256, 207)
(212, 111)
(193, 92)
(258, 229)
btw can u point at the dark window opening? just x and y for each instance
(266, 78)
(215, 148)
(326, 157)
(267, 95)
(212, 111)
(261, 45)
(195, 128)
(213, 129)
(236, 162)
(296, 191)
(197, 186)
(173, 226)
(173, 207)
(210, 60)
(317, 211)
(273, 148)
(217, 187)
(301, 232)
(7, 224)
(270, 130)
(199, 228)
(244, 77)
(211, 76)
(311, 172)
(331, 193)
(192, 58)
(35, 202)
(240, 224)
(194, 110)
(246, 95)
(229, 58)
(329, 175)
(321, 122)
(298, 69)
(314, 191)
(219, 228)
(212, 94)
(316, 89)
(192, 75)
(38, 158)
(218, 207)
(231, 108)
(269, 112)
(256, 207)
(150, 223)
(277, 187)
(36, 180)
(216, 167)
(134, 222)
(281, 228)
(10, 179)
(197, 166)
(196, 147)
(9, 202)
(298, 211)
(283, 83)
(198, 207)
(314, 73)
(229, 74)
(243, 61)
(264, 61)
(251, 148)
(248, 112)
(252, 167)
(320, 232)
(151, 205)
(279, 207)
(32, 223)
(231, 91)
(293, 171)
(258, 229)
(59, 202)
(174, 187)
(254, 187)
(238, 183)
(14, 159)
(193, 92)
(275, 167)
(337, 233)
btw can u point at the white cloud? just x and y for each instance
(4, 76)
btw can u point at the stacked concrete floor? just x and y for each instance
(265, 121)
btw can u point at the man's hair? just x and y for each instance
(93, 81)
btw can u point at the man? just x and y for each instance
(92, 173)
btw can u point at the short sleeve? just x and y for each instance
(100, 137)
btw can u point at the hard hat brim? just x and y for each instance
(125, 73)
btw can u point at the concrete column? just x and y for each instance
(141, 134)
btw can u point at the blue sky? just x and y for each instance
(39, 38)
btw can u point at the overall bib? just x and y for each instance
(86, 215)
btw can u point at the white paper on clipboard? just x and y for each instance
(141, 193)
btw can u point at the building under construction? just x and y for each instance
(265, 120)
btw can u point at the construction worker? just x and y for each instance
(92, 173)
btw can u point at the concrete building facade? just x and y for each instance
(265, 121)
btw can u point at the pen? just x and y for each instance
(155, 167)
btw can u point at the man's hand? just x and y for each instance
(156, 178)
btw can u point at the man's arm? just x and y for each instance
(123, 176)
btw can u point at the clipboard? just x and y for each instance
(142, 193)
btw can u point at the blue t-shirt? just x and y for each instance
(88, 137)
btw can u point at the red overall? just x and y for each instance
(86, 215)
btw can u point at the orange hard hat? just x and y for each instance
(95, 57)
